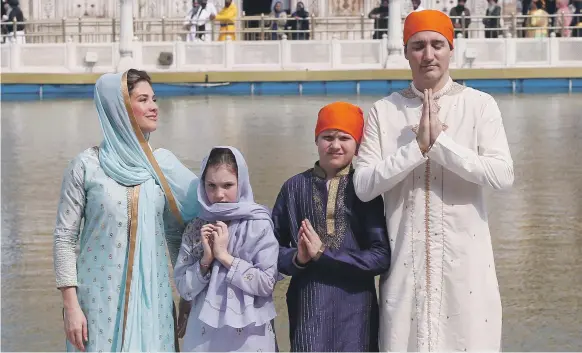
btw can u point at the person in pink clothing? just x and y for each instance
(564, 19)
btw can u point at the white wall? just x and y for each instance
(284, 55)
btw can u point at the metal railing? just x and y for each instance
(518, 25)
(90, 30)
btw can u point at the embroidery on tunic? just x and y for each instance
(341, 220)
(319, 214)
(427, 250)
(330, 208)
(194, 238)
(451, 89)
(407, 93)
(329, 226)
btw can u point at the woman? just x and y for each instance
(564, 19)
(277, 26)
(538, 20)
(116, 293)
(300, 24)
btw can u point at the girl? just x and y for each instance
(227, 263)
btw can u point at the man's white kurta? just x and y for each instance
(441, 293)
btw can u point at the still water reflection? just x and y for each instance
(536, 226)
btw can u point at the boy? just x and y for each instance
(331, 243)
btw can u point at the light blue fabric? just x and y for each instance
(93, 200)
(123, 159)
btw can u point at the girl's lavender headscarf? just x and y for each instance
(251, 240)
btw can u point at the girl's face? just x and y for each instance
(221, 184)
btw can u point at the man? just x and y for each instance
(492, 21)
(431, 150)
(15, 32)
(461, 25)
(226, 17)
(416, 6)
(331, 243)
(5, 10)
(198, 22)
(380, 17)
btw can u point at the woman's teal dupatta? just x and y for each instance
(126, 157)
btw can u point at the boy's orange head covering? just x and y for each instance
(341, 116)
(429, 20)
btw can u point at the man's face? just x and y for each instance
(415, 4)
(428, 54)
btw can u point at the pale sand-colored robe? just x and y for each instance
(441, 292)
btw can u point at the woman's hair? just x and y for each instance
(134, 77)
(221, 156)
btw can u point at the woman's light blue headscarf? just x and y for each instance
(126, 157)
(251, 239)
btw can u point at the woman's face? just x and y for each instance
(143, 104)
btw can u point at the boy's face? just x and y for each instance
(336, 149)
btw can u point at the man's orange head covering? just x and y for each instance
(429, 20)
(341, 116)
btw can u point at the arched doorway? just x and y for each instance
(256, 7)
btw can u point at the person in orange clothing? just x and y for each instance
(226, 17)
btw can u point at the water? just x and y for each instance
(536, 226)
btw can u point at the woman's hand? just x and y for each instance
(75, 320)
